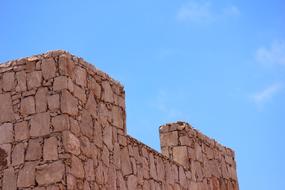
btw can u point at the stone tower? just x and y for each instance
(63, 126)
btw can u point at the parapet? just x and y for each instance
(63, 126)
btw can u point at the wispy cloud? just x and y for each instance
(261, 97)
(202, 12)
(273, 55)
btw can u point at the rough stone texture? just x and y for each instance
(63, 126)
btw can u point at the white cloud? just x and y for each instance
(261, 97)
(201, 12)
(275, 54)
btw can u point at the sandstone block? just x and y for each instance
(40, 124)
(6, 110)
(66, 65)
(8, 81)
(53, 102)
(60, 83)
(68, 103)
(26, 176)
(77, 169)
(181, 156)
(21, 78)
(108, 95)
(132, 182)
(48, 68)
(6, 133)
(21, 131)
(41, 100)
(50, 149)
(89, 170)
(50, 173)
(60, 122)
(28, 105)
(18, 154)
(5, 155)
(95, 87)
(34, 151)
(169, 139)
(71, 143)
(79, 93)
(34, 79)
(80, 76)
(9, 179)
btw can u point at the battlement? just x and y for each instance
(63, 126)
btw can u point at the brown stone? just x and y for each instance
(71, 143)
(169, 139)
(53, 102)
(6, 111)
(50, 173)
(66, 65)
(8, 81)
(40, 124)
(60, 83)
(26, 176)
(69, 104)
(91, 105)
(5, 155)
(21, 131)
(9, 179)
(95, 87)
(34, 150)
(89, 170)
(180, 155)
(132, 182)
(86, 124)
(80, 76)
(18, 154)
(77, 169)
(41, 100)
(21, 81)
(6, 133)
(34, 79)
(28, 106)
(60, 122)
(48, 68)
(50, 149)
(79, 93)
(107, 95)
(125, 162)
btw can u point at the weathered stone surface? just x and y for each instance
(79, 93)
(41, 100)
(8, 81)
(34, 79)
(169, 139)
(48, 68)
(5, 155)
(180, 155)
(69, 104)
(66, 65)
(50, 149)
(53, 102)
(6, 111)
(22, 131)
(9, 179)
(77, 169)
(28, 105)
(26, 176)
(50, 173)
(21, 78)
(60, 123)
(40, 124)
(6, 133)
(60, 83)
(34, 151)
(80, 76)
(71, 143)
(107, 95)
(18, 154)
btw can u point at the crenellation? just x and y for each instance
(63, 126)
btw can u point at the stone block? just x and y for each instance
(21, 78)
(8, 81)
(6, 133)
(34, 79)
(6, 110)
(169, 139)
(48, 68)
(41, 100)
(53, 102)
(18, 154)
(80, 76)
(28, 106)
(60, 83)
(71, 143)
(22, 131)
(5, 155)
(26, 176)
(9, 179)
(40, 124)
(77, 169)
(60, 123)
(34, 150)
(50, 173)
(69, 104)
(50, 149)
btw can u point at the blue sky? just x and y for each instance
(219, 65)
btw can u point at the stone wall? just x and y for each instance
(63, 126)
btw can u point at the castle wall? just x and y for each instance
(63, 126)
